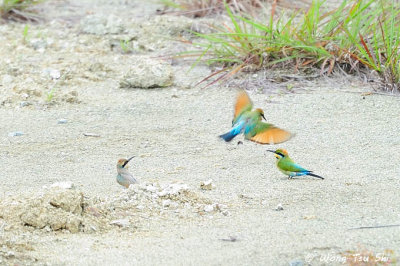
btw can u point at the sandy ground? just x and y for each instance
(350, 139)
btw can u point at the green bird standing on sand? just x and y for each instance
(288, 166)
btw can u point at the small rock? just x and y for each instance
(55, 74)
(151, 188)
(296, 263)
(62, 121)
(94, 25)
(173, 189)
(7, 80)
(230, 239)
(225, 213)
(121, 223)
(148, 73)
(309, 217)
(279, 207)
(52, 73)
(15, 134)
(166, 203)
(73, 223)
(209, 208)
(206, 185)
(99, 25)
(10, 254)
(93, 211)
(24, 103)
(114, 25)
(63, 185)
(167, 25)
(70, 97)
(38, 44)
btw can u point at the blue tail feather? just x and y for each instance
(306, 173)
(233, 133)
(228, 136)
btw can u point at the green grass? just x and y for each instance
(378, 47)
(18, 10)
(357, 36)
(50, 95)
(25, 34)
(125, 46)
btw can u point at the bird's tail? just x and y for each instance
(234, 132)
(228, 136)
(311, 174)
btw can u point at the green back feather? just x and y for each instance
(287, 164)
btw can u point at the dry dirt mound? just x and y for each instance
(60, 208)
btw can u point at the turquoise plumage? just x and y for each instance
(249, 122)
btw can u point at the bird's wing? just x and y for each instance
(243, 104)
(288, 165)
(268, 134)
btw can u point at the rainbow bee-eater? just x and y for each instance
(288, 166)
(249, 122)
(124, 178)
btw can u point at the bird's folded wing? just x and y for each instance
(289, 165)
(243, 104)
(269, 134)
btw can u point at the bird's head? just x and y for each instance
(280, 153)
(123, 162)
(260, 112)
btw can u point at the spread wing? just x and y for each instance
(264, 133)
(243, 104)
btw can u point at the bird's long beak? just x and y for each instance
(274, 152)
(127, 161)
(264, 117)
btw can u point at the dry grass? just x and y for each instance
(19, 10)
(202, 8)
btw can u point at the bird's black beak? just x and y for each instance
(272, 151)
(263, 117)
(127, 161)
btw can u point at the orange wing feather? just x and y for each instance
(243, 103)
(272, 135)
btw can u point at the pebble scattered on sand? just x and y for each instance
(16, 134)
(207, 185)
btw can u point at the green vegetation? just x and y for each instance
(126, 46)
(25, 34)
(18, 10)
(358, 36)
(50, 95)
